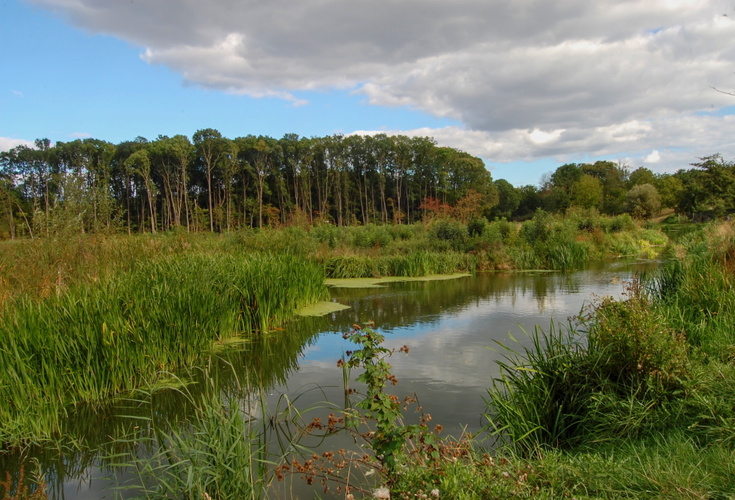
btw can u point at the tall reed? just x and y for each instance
(97, 341)
(411, 264)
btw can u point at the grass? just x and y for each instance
(94, 342)
(90, 318)
(218, 453)
(48, 267)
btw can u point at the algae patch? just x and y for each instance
(321, 309)
(381, 282)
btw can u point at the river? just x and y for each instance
(455, 330)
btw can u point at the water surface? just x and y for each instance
(454, 330)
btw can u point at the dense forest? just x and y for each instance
(213, 183)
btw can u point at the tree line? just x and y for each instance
(213, 183)
(705, 191)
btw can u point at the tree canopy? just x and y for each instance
(214, 183)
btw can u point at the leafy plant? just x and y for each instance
(384, 409)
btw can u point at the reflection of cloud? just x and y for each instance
(524, 80)
(455, 343)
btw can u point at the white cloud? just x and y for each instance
(8, 143)
(524, 79)
(654, 157)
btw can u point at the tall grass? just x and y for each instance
(218, 453)
(409, 265)
(658, 362)
(45, 267)
(97, 341)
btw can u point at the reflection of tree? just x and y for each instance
(403, 304)
(92, 434)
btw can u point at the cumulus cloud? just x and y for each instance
(8, 143)
(524, 79)
(654, 157)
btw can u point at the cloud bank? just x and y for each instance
(524, 79)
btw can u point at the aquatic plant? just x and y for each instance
(94, 342)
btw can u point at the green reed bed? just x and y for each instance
(49, 266)
(409, 265)
(97, 341)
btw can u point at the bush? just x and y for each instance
(449, 233)
(620, 223)
(537, 230)
(636, 344)
(477, 226)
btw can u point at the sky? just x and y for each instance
(527, 85)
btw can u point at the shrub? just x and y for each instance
(477, 226)
(449, 233)
(636, 343)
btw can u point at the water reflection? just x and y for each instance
(453, 329)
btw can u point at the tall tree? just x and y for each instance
(211, 149)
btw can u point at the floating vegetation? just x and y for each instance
(321, 309)
(381, 282)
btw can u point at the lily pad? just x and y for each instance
(321, 309)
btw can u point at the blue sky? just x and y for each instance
(526, 86)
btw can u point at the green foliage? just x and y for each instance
(395, 444)
(413, 264)
(448, 234)
(220, 454)
(537, 231)
(476, 227)
(640, 390)
(384, 409)
(162, 315)
(644, 201)
(561, 391)
(636, 344)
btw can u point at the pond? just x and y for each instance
(453, 328)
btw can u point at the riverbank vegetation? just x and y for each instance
(48, 267)
(631, 400)
(93, 342)
(634, 401)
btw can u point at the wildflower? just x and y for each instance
(434, 493)
(382, 492)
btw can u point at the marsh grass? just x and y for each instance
(218, 452)
(635, 398)
(93, 342)
(46, 267)
(413, 264)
